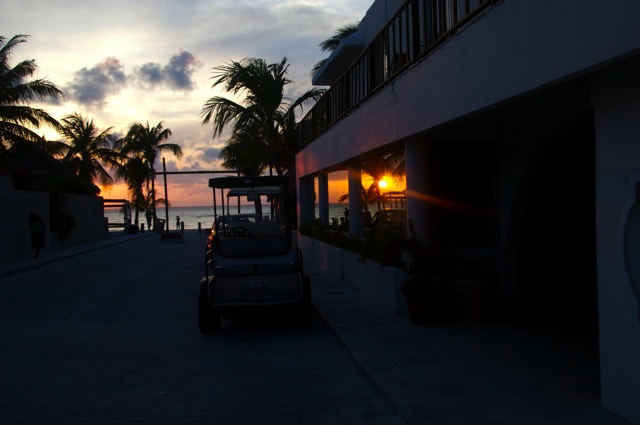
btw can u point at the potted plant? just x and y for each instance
(474, 283)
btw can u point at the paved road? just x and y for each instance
(110, 336)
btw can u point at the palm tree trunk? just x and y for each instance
(153, 196)
(139, 197)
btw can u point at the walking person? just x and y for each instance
(36, 226)
(177, 222)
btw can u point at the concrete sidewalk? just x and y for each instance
(446, 374)
(17, 265)
(468, 374)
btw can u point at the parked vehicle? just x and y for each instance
(220, 224)
(250, 261)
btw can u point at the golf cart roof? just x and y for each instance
(247, 182)
(242, 191)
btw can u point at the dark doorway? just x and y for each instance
(462, 184)
(557, 281)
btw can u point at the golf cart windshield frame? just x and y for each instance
(263, 185)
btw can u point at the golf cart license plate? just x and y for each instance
(254, 284)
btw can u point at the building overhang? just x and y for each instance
(348, 50)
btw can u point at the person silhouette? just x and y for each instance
(177, 222)
(36, 226)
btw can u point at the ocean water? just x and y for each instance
(191, 216)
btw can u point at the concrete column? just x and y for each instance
(306, 201)
(355, 198)
(323, 198)
(416, 175)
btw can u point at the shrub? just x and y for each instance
(384, 247)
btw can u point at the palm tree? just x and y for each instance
(380, 165)
(331, 43)
(147, 143)
(149, 206)
(55, 148)
(16, 116)
(369, 196)
(377, 167)
(134, 171)
(245, 153)
(264, 110)
(88, 149)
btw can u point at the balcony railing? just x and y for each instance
(418, 28)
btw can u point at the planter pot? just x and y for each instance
(428, 306)
(475, 300)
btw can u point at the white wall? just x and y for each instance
(513, 52)
(616, 98)
(517, 47)
(379, 283)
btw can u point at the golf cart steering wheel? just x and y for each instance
(239, 231)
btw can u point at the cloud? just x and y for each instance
(171, 164)
(209, 154)
(150, 73)
(210, 33)
(92, 86)
(180, 69)
(177, 74)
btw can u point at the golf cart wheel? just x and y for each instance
(208, 316)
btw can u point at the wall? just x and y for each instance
(529, 66)
(379, 283)
(616, 98)
(15, 207)
(15, 240)
(380, 12)
(88, 211)
(540, 43)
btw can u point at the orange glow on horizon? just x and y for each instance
(339, 184)
(117, 191)
(189, 192)
(337, 188)
(180, 194)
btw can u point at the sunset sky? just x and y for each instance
(122, 61)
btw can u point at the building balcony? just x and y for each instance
(417, 29)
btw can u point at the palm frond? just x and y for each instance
(16, 116)
(263, 117)
(331, 43)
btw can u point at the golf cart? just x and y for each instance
(251, 263)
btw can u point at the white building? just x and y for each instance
(520, 122)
